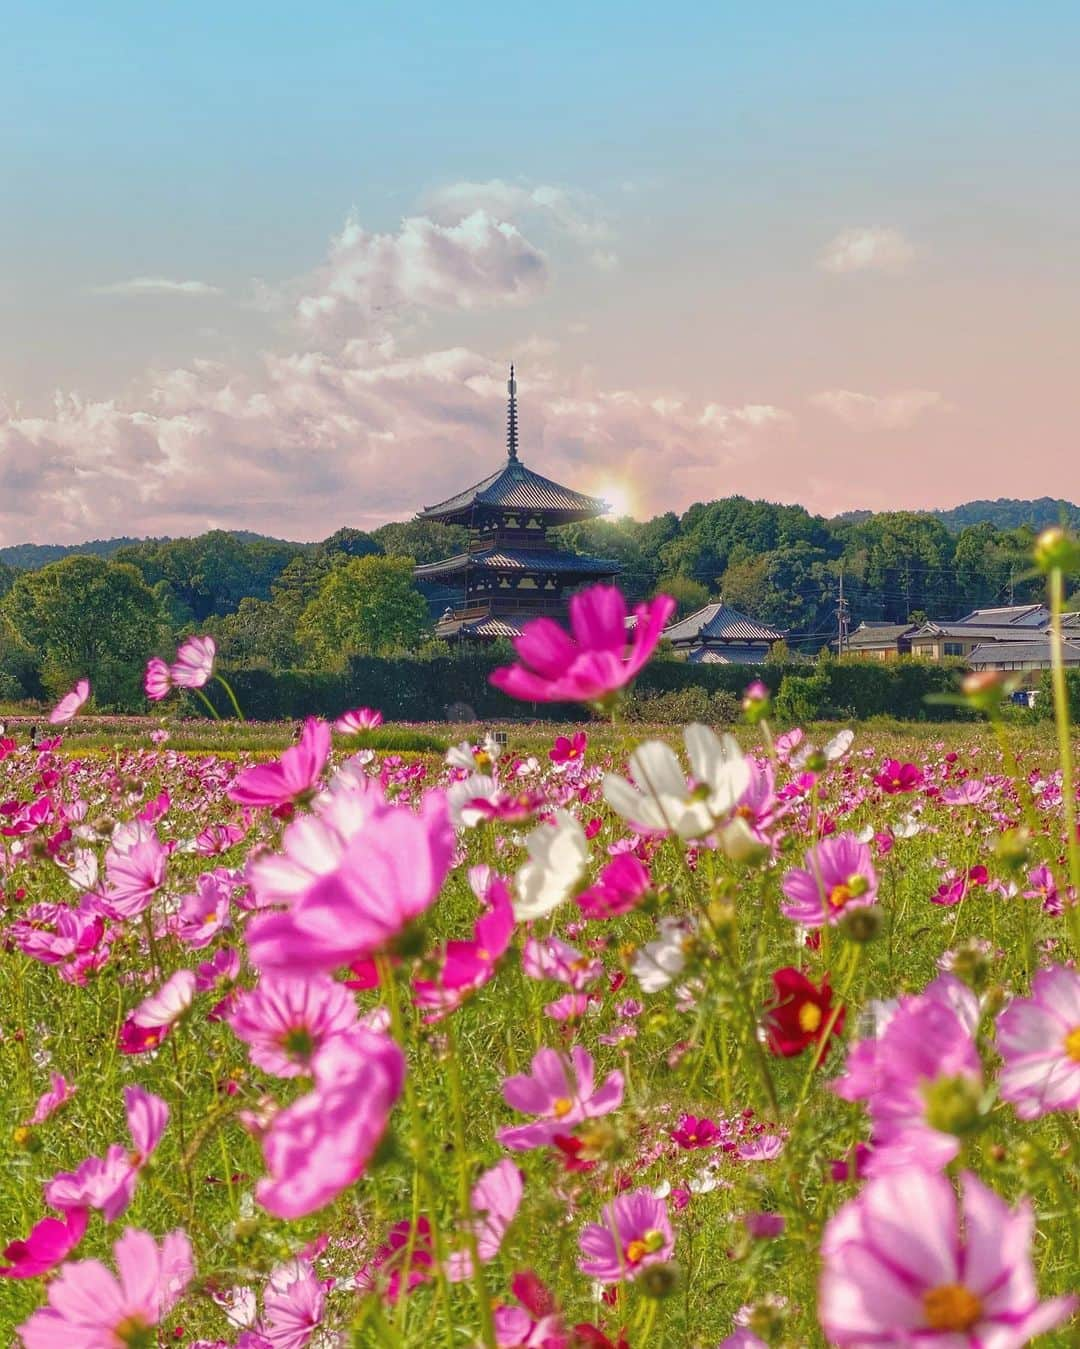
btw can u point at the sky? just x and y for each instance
(264, 266)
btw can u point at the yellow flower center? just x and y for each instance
(1072, 1044)
(135, 1333)
(640, 1247)
(839, 895)
(809, 1017)
(562, 1107)
(951, 1307)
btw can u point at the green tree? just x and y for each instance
(421, 540)
(86, 616)
(261, 634)
(688, 594)
(366, 605)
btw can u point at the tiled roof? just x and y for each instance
(1035, 651)
(520, 559)
(718, 623)
(515, 487)
(1022, 615)
(877, 634)
(490, 625)
(989, 632)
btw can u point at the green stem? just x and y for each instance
(1061, 717)
(212, 709)
(232, 696)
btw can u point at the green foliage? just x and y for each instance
(682, 706)
(1044, 701)
(86, 616)
(366, 604)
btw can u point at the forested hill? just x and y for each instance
(1008, 513)
(31, 556)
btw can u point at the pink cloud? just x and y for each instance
(886, 412)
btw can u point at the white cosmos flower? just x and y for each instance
(558, 857)
(834, 749)
(661, 960)
(477, 786)
(663, 801)
(907, 827)
(82, 870)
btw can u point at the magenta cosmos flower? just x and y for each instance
(286, 1021)
(562, 1093)
(320, 1145)
(70, 703)
(839, 875)
(905, 1263)
(391, 872)
(294, 776)
(592, 663)
(494, 1201)
(1039, 1039)
(622, 886)
(89, 1307)
(633, 1233)
(50, 1242)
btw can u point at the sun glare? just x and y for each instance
(619, 496)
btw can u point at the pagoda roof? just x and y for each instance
(517, 488)
(519, 559)
(719, 623)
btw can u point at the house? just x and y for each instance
(1032, 655)
(937, 640)
(721, 635)
(878, 641)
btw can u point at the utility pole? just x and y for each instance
(842, 618)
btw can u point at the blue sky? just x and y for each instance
(710, 154)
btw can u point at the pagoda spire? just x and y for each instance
(511, 418)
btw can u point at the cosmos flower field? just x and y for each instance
(600, 1040)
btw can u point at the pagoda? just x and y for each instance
(510, 572)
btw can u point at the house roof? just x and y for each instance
(519, 560)
(1019, 615)
(489, 625)
(718, 623)
(983, 632)
(877, 634)
(1036, 651)
(517, 488)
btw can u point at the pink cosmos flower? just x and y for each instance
(108, 1183)
(839, 875)
(906, 1263)
(293, 1305)
(388, 1262)
(622, 885)
(390, 873)
(194, 663)
(90, 1308)
(157, 681)
(205, 912)
(634, 1232)
(920, 1077)
(59, 1092)
(494, 1201)
(969, 793)
(292, 777)
(168, 1004)
(468, 965)
(66, 709)
(536, 1323)
(561, 1092)
(1039, 1039)
(50, 1243)
(320, 1145)
(594, 662)
(359, 719)
(134, 870)
(1043, 886)
(554, 959)
(287, 1020)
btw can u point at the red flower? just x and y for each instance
(801, 1014)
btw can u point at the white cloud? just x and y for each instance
(887, 412)
(156, 285)
(875, 249)
(359, 435)
(573, 213)
(479, 262)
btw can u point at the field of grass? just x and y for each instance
(323, 1194)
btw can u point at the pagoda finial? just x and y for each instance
(511, 418)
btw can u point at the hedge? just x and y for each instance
(407, 689)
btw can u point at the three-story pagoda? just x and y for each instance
(511, 572)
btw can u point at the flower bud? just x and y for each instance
(971, 963)
(722, 917)
(1057, 550)
(862, 925)
(984, 690)
(952, 1105)
(659, 1281)
(766, 1321)
(994, 999)
(737, 842)
(1013, 850)
(756, 702)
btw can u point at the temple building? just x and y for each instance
(510, 572)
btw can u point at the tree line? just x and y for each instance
(275, 605)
